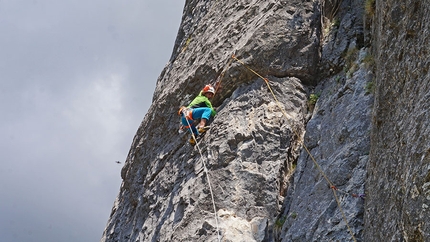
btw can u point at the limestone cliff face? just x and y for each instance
(266, 187)
(398, 184)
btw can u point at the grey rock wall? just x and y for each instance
(397, 208)
(164, 195)
(338, 139)
(337, 136)
(252, 150)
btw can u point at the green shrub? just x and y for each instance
(369, 7)
(370, 87)
(350, 56)
(280, 222)
(369, 61)
(313, 98)
(293, 215)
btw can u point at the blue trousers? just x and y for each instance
(198, 113)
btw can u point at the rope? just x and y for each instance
(207, 176)
(219, 79)
(332, 187)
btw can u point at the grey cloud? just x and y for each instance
(76, 80)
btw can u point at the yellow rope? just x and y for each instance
(219, 79)
(303, 144)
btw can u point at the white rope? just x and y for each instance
(207, 176)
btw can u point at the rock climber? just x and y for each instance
(197, 115)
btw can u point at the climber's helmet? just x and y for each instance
(208, 89)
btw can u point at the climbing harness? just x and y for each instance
(207, 176)
(332, 187)
(188, 114)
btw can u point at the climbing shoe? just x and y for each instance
(192, 141)
(202, 129)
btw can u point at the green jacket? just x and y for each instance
(202, 101)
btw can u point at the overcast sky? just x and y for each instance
(76, 79)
